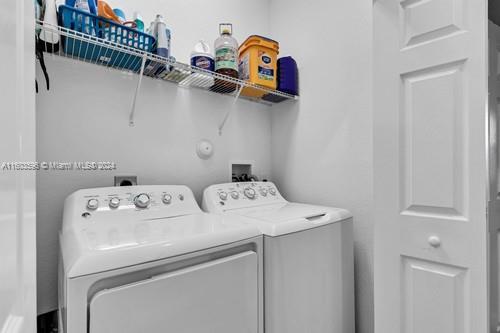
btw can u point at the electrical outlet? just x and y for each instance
(125, 180)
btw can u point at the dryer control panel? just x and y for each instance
(137, 202)
(224, 197)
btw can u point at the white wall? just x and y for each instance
(322, 145)
(84, 117)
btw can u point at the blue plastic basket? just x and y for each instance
(89, 24)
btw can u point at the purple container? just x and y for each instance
(288, 76)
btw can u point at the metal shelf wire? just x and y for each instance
(124, 57)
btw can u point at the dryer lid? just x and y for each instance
(127, 243)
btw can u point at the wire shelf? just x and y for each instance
(123, 57)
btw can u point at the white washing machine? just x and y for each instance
(147, 259)
(308, 257)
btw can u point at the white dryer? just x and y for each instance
(147, 259)
(308, 257)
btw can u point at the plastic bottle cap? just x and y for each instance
(159, 18)
(137, 16)
(226, 28)
(201, 47)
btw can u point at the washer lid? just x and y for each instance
(283, 218)
(115, 244)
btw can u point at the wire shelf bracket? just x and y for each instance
(137, 89)
(230, 110)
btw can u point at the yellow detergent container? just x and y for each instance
(258, 64)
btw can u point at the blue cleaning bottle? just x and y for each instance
(85, 24)
(91, 4)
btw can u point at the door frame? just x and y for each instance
(18, 188)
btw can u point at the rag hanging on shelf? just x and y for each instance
(39, 48)
(39, 45)
(50, 39)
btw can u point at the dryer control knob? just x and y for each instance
(263, 192)
(142, 200)
(114, 202)
(223, 196)
(235, 195)
(167, 199)
(93, 204)
(272, 191)
(249, 193)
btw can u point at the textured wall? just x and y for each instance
(322, 146)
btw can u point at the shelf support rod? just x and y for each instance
(228, 112)
(138, 87)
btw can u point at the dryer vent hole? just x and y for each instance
(125, 180)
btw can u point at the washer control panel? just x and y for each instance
(222, 197)
(137, 202)
(143, 200)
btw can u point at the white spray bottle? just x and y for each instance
(162, 35)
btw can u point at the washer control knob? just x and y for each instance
(181, 197)
(142, 200)
(272, 191)
(114, 202)
(249, 193)
(166, 198)
(235, 195)
(263, 192)
(93, 204)
(223, 196)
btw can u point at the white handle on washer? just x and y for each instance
(319, 218)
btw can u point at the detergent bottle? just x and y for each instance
(201, 56)
(159, 30)
(162, 35)
(139, 21)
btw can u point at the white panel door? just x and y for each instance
(431, 232)
(17, 188)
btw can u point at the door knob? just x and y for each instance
(434, 241)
